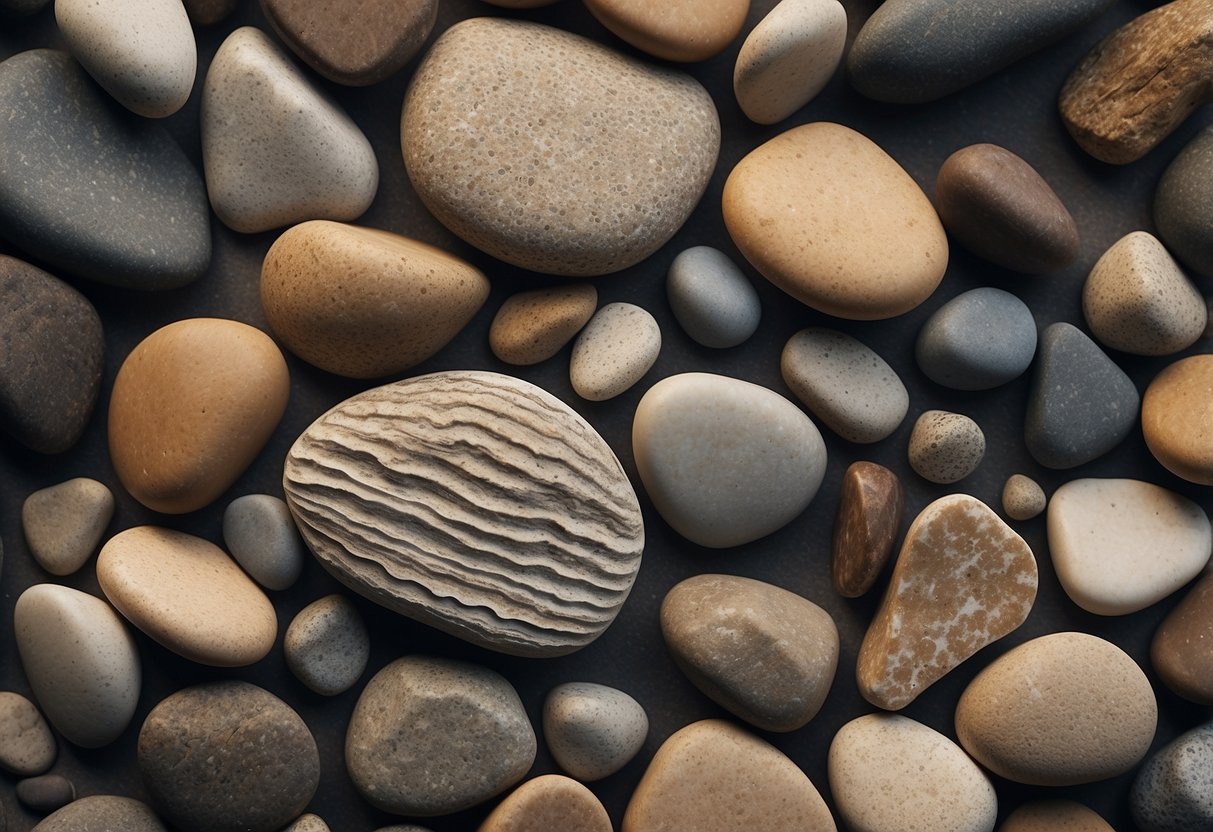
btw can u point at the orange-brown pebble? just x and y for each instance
(1054, 816)
(1182, 650)
(531, 327)
(865, 529)
(551, 803)
(676, 30)
(1177, 418)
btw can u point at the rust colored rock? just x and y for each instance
(865, 529)
(1177, 418)
(1182, 651)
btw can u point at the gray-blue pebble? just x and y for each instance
(978, 340)
(1183, 204)
(711, 298)
(1173, 791)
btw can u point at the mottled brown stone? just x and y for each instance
(865, 529)
(1177, 418)
(1182, 651)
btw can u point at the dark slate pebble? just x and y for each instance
(1081, 404)
(91, 188)
(101, 813)
(1173, 791)
(912, 51)
(51, 357)
(45, 793)
(978, 340)
(228, 757)
(1183, 204)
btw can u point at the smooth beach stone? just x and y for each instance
(1183, 204)
(1120, 545)
(261, 536)
(52, 354)
(583, 161)
(998, 207)
(90, 188)
(592, 730)
(676, 30)
(759, 651)
(1080, 405)
(327, 646)
(788, 58)
(963, 580)
(1177, 418)
(711, 298)
(614, 351)
(1182, 649)
(308, 823)
(356, 43)
(81, 662)
(46, 793)
(863, 243)
(433, 736)
(1173, 791)
(227, 757)
(913, 51)
(142, 52)
(1054, 816)
(549, 802)
(187, 595)
(1136, 299)
(64, 523)
(209, 12)
(192, 406)
(276, 150)
(945, 447)
(102, 813)
(724, 461)
(473, 502)
(889, 773)
(1140, 82)
(712, 776)
(27, 746)
(1022, 497)
(1059, 710)
(531, 327)
(978, 340)
(850, 388)
(870, 506)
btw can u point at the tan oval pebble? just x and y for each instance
(192, 406)
(364, 303)
(592, 730)
(870, 506)
(712, 776)
(614, 351)
(188, 595)
(64, 523)
(546, 803)
(1054, 816)
(946, 447)
(1022, 497)
(531, 327)
(1177, 418)
(889, 773)
(1059, 710)
(863, 242)
(27, 746)
(676, 30)
(1182, 650)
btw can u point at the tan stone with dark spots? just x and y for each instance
(865, 529)
(1182, 650)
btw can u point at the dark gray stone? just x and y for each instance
(1183, 204)
(912, 51)
(101, 813)
(1173, 791)
(46, 793)
(91, 188)
(978, 340)
(1081, 404)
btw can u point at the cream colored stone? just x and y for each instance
(531, 327)
(614, 351)
(676, 30)
(1177, 418)
(549, 803)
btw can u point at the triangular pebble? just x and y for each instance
(550, 802)
(63, 524)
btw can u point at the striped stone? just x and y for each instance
(474, 502)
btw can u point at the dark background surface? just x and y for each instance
(1015, 108)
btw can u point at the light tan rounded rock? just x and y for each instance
(1059, 710)
(946, 447)
(712, 776)
(188, 595)
(1054, 816)
(1177, 418)
(64, 523)
(863, 242)
(27, 746)
(1022, 497)
(546, 803)
(592, 730)
(364, 303)
(531, 327)
(676, 30)
(614, 351)
(192, 406)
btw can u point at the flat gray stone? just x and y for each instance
(592, 730)
(711, 298)
(978, 340)
(1183, 204)
(64, 523)
(27, 746)
(102, 813)
(1173, 791)
(326, 645)
(262, 538)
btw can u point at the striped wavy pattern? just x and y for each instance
(474, 502)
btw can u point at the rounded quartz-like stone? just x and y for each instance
(531, 327)
(946, 447)
(676, 30)
(1173, 791)
(978, 340)
(592, 730)
(711, 298)
(106, 813)
(262, 538)
(327, 646)
(27, 746)
(1182, 649)
(64, 523)
(549, 802)
(1177, 418)
(614, 351)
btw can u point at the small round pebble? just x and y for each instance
(1054, 816)
(614, 351)
(531, 327)
(327, 645)
(592, 730)
(308, 823)
(262, 537)
(1022, 497)
(546, 803)
(979, 340)
(711, 298)
(64, 523)
(27, 746)
(1173, 791)
(101, 813)
(946, 447)
(46, 793)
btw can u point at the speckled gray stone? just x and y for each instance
(261, 536)
(614, 351)
(327, 645)
(1173, 791)
(1183, 204)
(978, 340)
(64, 523)
(713, 301)
(592, 730)
(946, 447)
(92, 189)
(308, 823)
(102, 813)
(1081, 405)
(1022, 497)
(27, 746)
(46, 793)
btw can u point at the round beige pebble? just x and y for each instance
(592, 730)
(946, 447)
(1054, 816)
(614, 351)
(546, 803)
(1022, 497)
(531, 327)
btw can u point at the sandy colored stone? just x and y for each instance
(870, 506)
(531, 327)
(308, 823)
(863, 242)
(1177, 418)
(945, 447)
(1054, 816)
(1022, 497)
(188, 595)
(676, 30)
(1059, 710)
(365, 303)
(713, 776)
(963, 580)
(27, 746)
(614, 351)
(592, 730)
(549, 802)
(1182, 650)
(192, 406)
(64, 523)
(104, 813)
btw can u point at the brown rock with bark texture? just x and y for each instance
(865, 529)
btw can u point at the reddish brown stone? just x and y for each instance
(865, 529)
(1182, 651)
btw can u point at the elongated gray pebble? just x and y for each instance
(327, 645)
(592, 730)
(711, 298)
(64, 523)
(1183, 204)
(262, 538)
(614, 351)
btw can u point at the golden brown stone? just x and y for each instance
(865, 529)
(1054, 816)
(1177, 418)
(677, 30)
(550, 803)
(1182, 651)
(533, 326)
